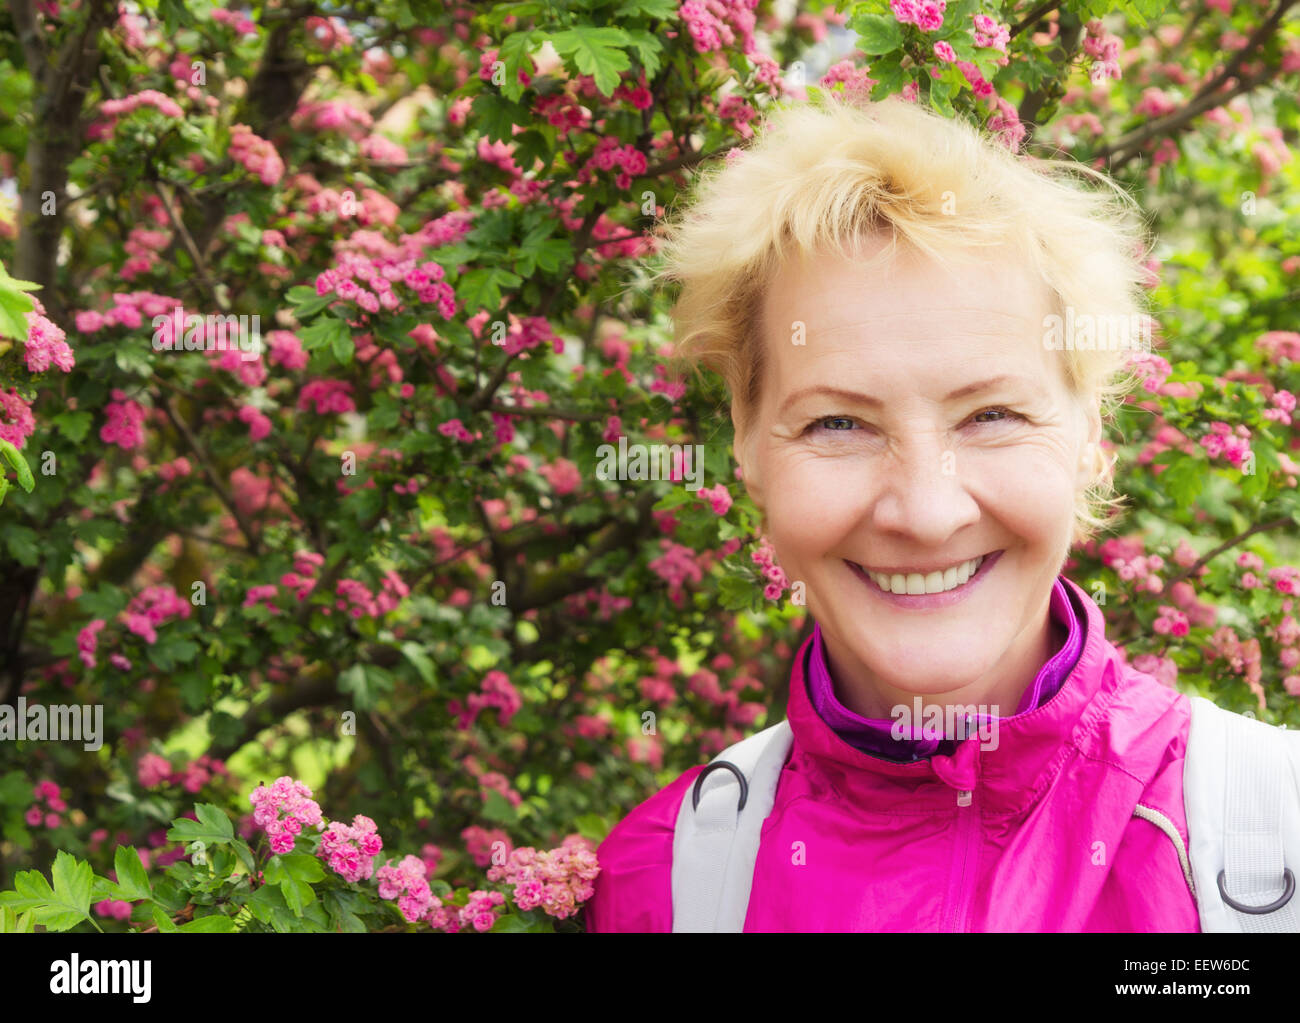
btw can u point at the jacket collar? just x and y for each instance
(1032, 747)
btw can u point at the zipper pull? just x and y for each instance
(963, 797)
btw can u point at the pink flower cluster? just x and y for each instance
(480, 843)
(927, 15)
(153, 771)
(764, 556)
(1223, 441)
(714, 24)
(88, 641)
(558, 881)
(283, 809)
(479, 910)
(326, 396)
(989, 34)
(562, 475)
(1283, 403)
(1005, 124)
(675, 566)
(356, 598)
(165, 105)
(233, 19)
(302, 580)
(151, 607)
(1171, 622)
(1124, 556)
(494, 691)
(330, 115)
(287, 350)
(369, 282)
(1280, 345)
(21, 423)
(406, 882)
(1103, 48)
(455, 428)
(522, 333)
(854, 78)
(51, 794)
(1243, 659)
(980, 85)
(130, 309)
(719, 498)
(256, 154)
(46, 343)
(1153, 369)
(259, 425)
(609, 155)
(125, 425)
(350, 850)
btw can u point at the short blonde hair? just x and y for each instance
(819, 175)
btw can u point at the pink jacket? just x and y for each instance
(1048, 842)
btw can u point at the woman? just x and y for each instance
(880, 288)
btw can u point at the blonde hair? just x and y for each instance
(820, 175)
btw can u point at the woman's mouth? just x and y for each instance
(937, 587)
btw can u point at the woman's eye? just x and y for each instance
(833, 424)
(1002, 413)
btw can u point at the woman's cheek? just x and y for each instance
(1031, 490)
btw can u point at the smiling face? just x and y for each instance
(920, 426)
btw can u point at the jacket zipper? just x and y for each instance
(959, 883)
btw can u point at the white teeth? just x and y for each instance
(916, 584)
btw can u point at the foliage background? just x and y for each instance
(324, 136)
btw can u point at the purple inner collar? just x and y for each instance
(872, 735)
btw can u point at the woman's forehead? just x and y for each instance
(838, 306)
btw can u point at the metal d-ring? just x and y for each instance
(744, 785)
(1288, 880)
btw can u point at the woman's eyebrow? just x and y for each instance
(871, 400)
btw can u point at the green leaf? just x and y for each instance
(214, 924)
(877, 33)
(531, 922)
(647, 8)
(497, 116)
(60, 907)
(73, 425)
(342, 346)
(132, 880)
(327, 331)
(596, 52)
(481, 289)
(14, 305)
(163, 922)
(496, 807)
(15, 458)
(295, 867)
(514, 54)
(648, 49)
(306, 302)
(16, 923)
(423, 664)
(212, 826)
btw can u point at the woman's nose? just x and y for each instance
(923, 494)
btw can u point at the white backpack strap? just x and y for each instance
(1241, 788)
(715, 844)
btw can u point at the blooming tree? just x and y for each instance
(315, 321)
